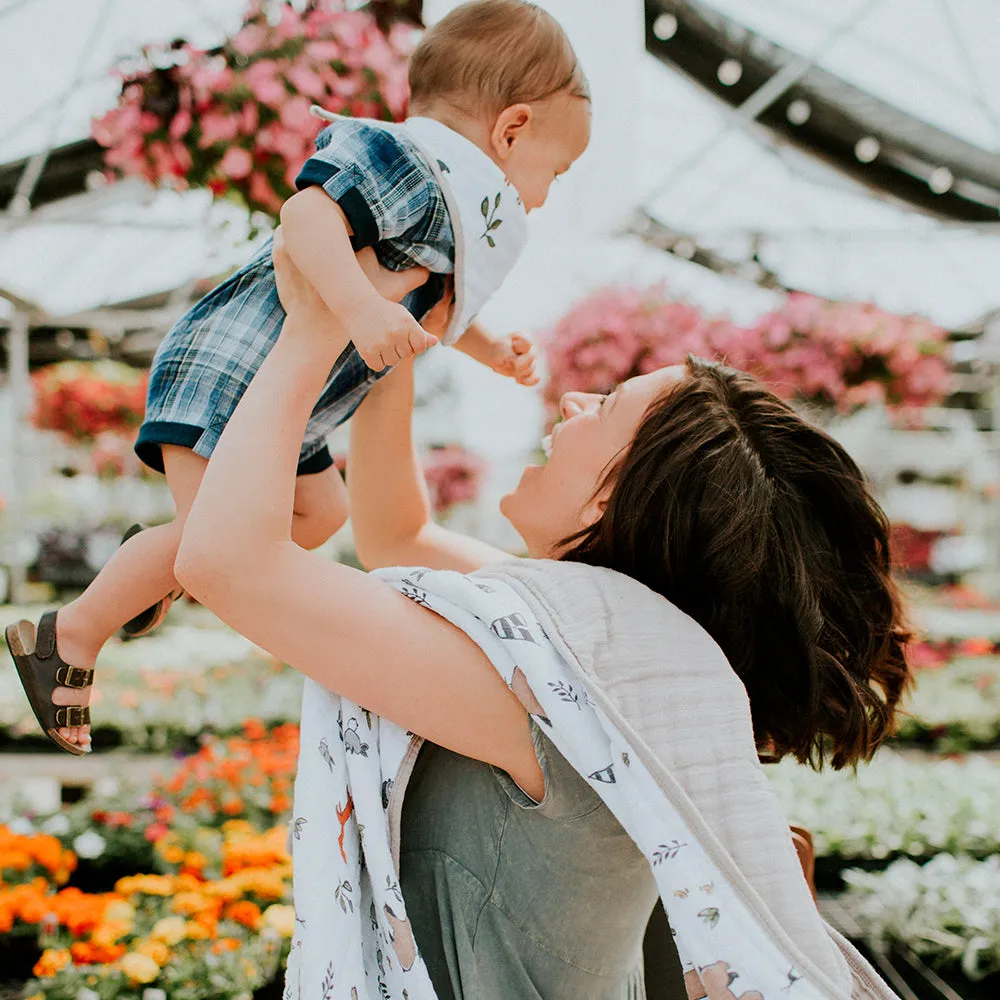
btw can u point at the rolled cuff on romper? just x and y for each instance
(156, 433)
(341, 186)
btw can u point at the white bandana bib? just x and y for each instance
(487, 217)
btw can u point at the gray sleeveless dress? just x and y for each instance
(510, 899)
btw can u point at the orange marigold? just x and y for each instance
(244, 912)
(51, 962)
(91, 953)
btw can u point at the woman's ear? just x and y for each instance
(510, 125)
(593, 511)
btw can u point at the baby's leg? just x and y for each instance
(320, 508)
(138, 575)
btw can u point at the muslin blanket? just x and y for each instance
(639, 700)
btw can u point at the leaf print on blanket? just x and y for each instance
(710, 915)
(667, 852)
(490, 218)
(297, 825)
(327, 985)
(416, 595)
(343, 815)
(342, 894)
(565, 692)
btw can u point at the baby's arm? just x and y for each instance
(512, 355)
(317, 236)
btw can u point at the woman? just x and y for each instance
(693, 481)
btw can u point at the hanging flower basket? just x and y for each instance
(827, 354)
(236, 119)
(83, 400)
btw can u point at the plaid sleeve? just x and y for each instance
(381, 185)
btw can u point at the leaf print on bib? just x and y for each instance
(710, 915)
(667, 852)
(490, 218)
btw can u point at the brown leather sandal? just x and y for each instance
(147, 620)
(42, 670)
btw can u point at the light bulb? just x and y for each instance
(798, 111)
(729, 72)
(867, 149)
(941, 180)
(665, 27)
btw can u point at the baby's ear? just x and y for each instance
(510, 125)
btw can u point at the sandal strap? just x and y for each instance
(45, 636)
(74, 677)
(72, 715)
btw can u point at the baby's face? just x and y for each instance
(548, 145)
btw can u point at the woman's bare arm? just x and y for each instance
(350, 632)
(391, 512)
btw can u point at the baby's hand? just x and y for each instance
(385, 333)
(514, 356)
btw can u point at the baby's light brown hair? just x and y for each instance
(490, 54)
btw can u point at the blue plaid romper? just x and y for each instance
(205, 363)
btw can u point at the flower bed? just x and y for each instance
(955, 707)
(944, 911)
(892, 807)
(204, 910)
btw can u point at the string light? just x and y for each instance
(867, 148)
(729, 72)
(941, 180)
(798, 111)
(685, 248)
(665, 27)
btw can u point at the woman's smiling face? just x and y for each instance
(557, 499)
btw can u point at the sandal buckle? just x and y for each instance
(74, 677)
(72, 715)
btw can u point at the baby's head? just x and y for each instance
(503, 73)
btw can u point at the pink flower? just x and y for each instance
(295, 115)
(181, 124)
(266, 87)
(218, 126)
(249, 39)
(305, 80)
(236, 163)
(262, 193)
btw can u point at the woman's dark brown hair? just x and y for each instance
(762, 528)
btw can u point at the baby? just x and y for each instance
(499, 109)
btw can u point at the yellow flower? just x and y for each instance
(197, 932)
(171, 853)
(139, 968)
(169, 930)
(281, 918)
(36, 996)
(120, 911)
(52, 960)
(150, 885)
(156, 950)
(110, 931)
